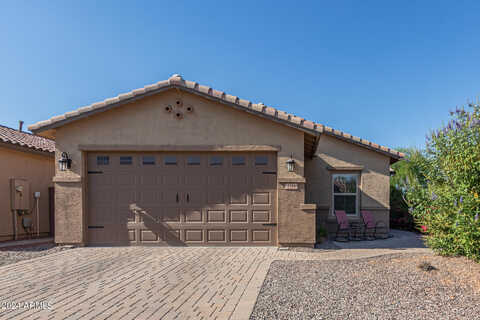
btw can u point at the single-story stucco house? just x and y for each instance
(27, 167)
(178, 163)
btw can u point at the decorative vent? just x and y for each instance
(176, 108)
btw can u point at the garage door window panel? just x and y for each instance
(170, 161)
(148, 160)
(238, 161)
(215, 161)
(193, 161)
(261, 160)
(103, 160)
(126, 160)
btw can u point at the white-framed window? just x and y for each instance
(345, 193)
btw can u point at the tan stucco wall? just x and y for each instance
(374, 184)
(38, 170)
(145, 123)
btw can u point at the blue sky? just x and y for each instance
(387, 71)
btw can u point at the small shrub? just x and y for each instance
(426, 266)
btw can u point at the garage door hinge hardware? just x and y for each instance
(96, 227)
(269, 172)
(269, 224)
(95, 172)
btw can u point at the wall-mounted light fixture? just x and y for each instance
(291, 164)
(65, 162)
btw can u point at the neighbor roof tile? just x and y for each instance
(25, 139)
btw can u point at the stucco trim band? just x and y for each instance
(67, 179)
(308, 206)
(143, 148)
(291, 180)
(349, 168)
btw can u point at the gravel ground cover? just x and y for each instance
(397, 286)
(13, 255)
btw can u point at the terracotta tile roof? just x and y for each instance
(176, 81)
(25, 139)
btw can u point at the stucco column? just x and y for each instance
(70, 222)
(296, 220)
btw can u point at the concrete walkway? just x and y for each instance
(148, 282)
(400, 240)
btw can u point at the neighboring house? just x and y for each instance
(178, 163)
(28, 166)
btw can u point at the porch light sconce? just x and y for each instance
(291, 164)
(65, 162)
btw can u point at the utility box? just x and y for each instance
(20, 194)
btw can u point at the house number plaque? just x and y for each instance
(290, 186)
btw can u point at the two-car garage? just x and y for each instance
(181, 198)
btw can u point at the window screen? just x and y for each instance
(345, 193)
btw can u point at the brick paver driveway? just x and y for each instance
(143, 282)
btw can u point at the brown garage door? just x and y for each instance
(184, 198)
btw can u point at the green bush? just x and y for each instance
(443, 189)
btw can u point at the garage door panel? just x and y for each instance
(193, 197)
(194, 215)
(216, 197)
(195, 235)
(261, 198)
(151, 214)
(132, 235)
(261, 235)
(125, 196)
(216, 216)
(150, 180)
(100, 180)
(264, 180)
(238, 216)
(170, 180)
(217, 180)
(171, 197)
(101, 215)
(240, 197)
(125, 179)
(260, 216)
(149, 196)
(149, 236)
(173, 235)
(171, 214)
(195, 180)
(239, 179)
(182, 198)
(216, 235)
(237, 236)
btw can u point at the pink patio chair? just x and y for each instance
(342, 225)
(371, 225)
